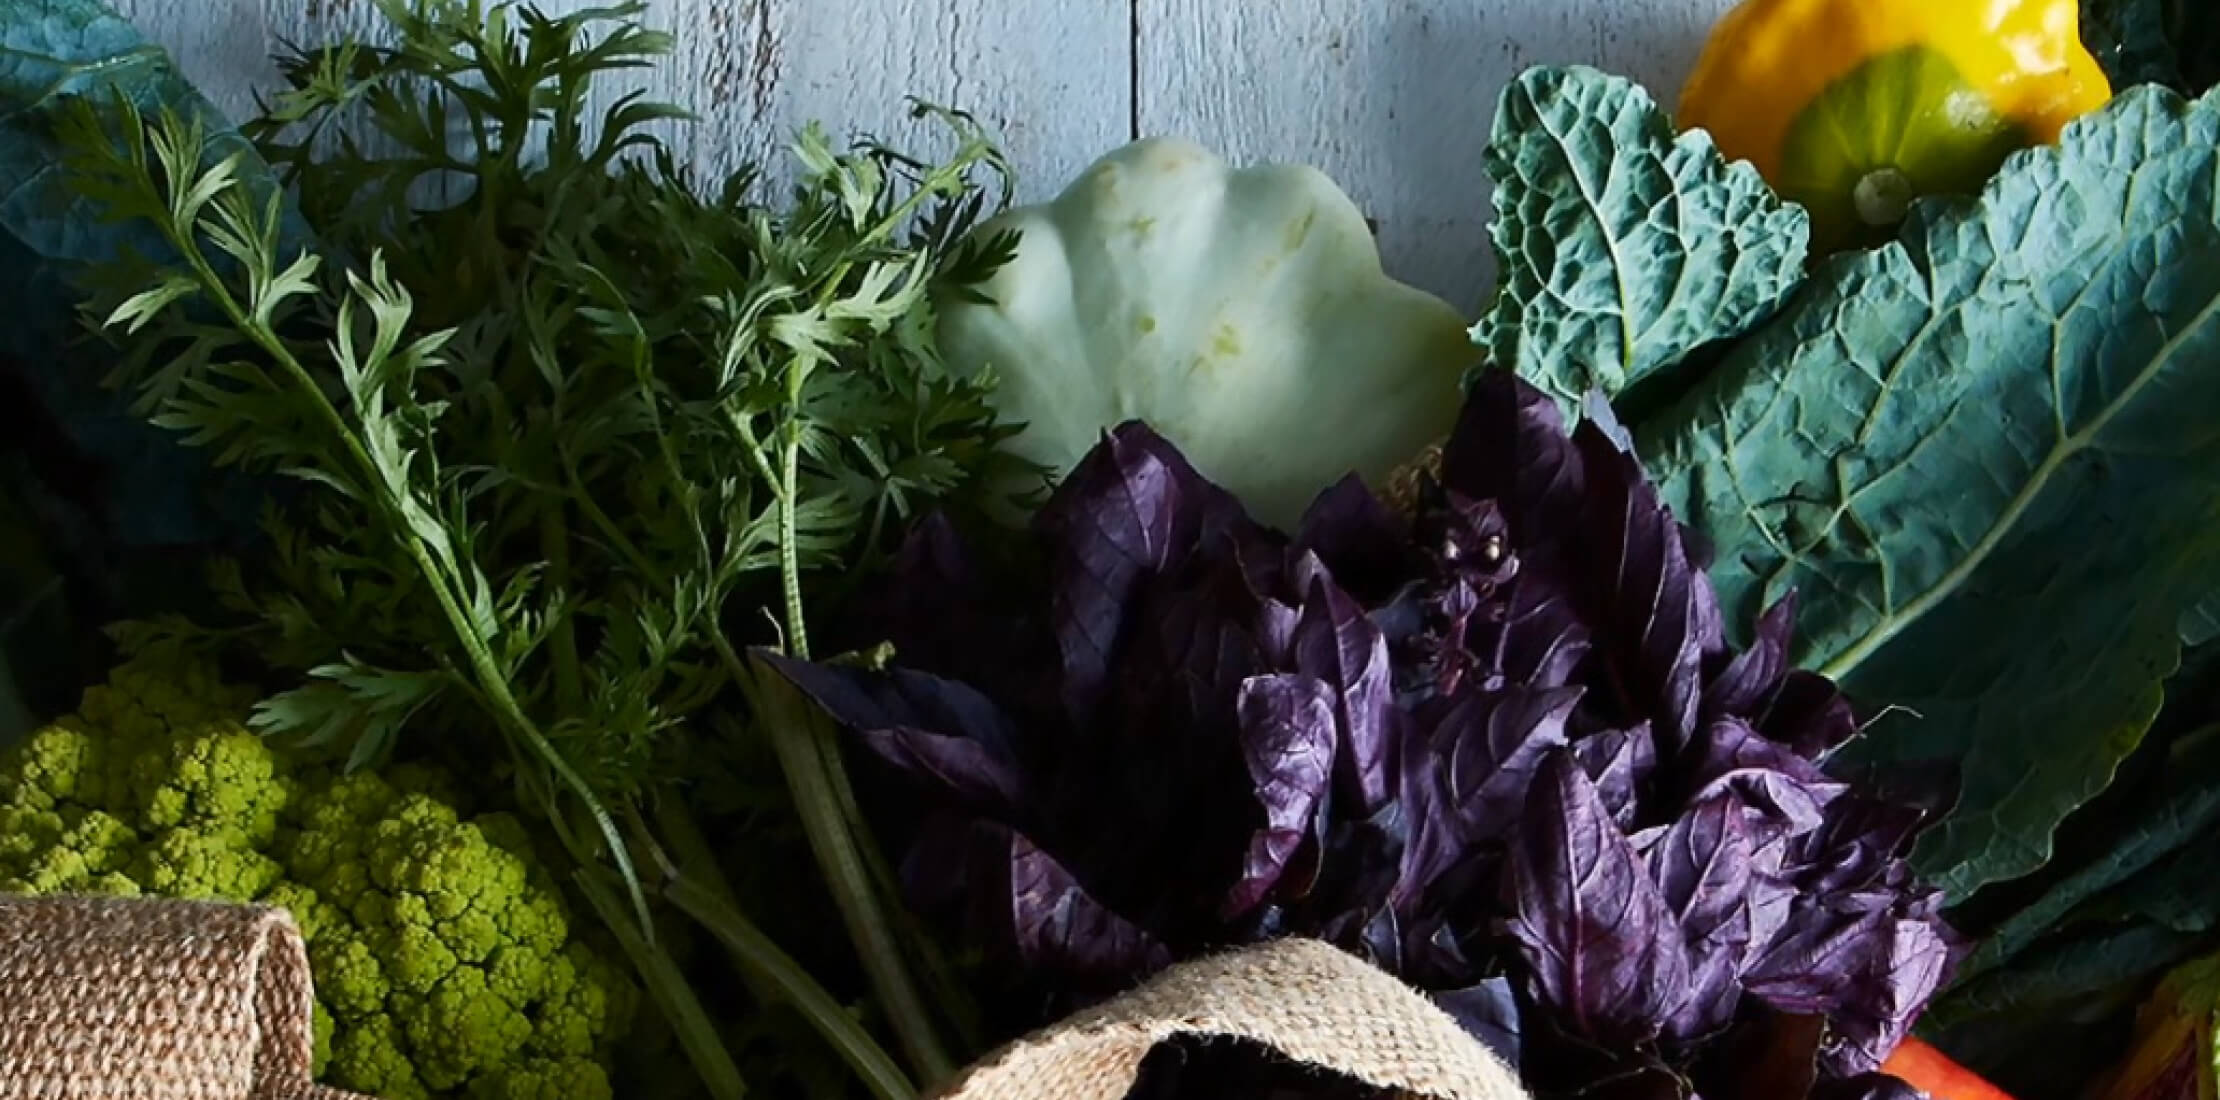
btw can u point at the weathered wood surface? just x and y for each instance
(1392, 98)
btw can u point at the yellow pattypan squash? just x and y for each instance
(1853, 108)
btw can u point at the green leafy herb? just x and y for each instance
(572, 437)
(1982, 457)
(1622, 247)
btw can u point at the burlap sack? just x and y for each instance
(152, 1000)
(171, 1000)
(1302, 998)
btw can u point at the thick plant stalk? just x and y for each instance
(809, 756)
(762, 958)
(800, 739)
(667, 984)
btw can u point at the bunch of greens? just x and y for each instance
(1981, 455)
(562, 440)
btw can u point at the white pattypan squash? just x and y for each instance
(1241, 313)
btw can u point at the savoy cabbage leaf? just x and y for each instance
(1984, 455)
(1621, 246)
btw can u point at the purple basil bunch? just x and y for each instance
(1497, 745)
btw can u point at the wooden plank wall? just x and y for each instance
(1392, 98)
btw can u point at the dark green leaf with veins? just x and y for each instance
(1622, 247)
(1986, 459)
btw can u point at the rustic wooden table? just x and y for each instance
(1392, 98)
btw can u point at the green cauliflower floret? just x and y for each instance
(445, 932)
(59, 765)
(212, 777)
(442, 953)
(371, 1057)
(545, 1079)
(181, 863)
(71, 850)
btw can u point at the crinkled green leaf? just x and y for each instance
(1622, 247)
(1986, 457)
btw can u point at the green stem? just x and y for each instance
(956, 1006)
(668, 985)
(798, 737)
(570, 689)
(790, 555)
(756, 952)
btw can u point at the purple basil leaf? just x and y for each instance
(1488, 1011)
(1597, 937)
(1060, 929)
(1702, 866)
(1366, 545)
(1433, 839)
(941, 733)
(1772, 904)
(1714, 993)
(1541, 640)
(1809, 714)
(1868, 971)
(1620, 763)
(1856, 846)
(1916, 963)
(1274, 630)
(1786, 793)
(1287, 738)
(1660, 614)
(1583, 516)
(1186, 655)
(1334, 642)
(1510, 446)
(1747, 684)
(971, 773)
(1494, 742)
(1131, 509)
(1815, 964)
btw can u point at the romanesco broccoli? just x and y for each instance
(442, 952)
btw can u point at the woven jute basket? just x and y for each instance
(176, 1000)
(152, 1000)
